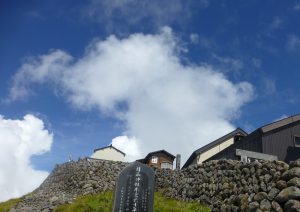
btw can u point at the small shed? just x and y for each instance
(159, 159)
(109, 153)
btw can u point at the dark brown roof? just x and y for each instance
(238, 131)
(159, 151)
(110, 146)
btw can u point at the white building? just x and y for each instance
(109, 153)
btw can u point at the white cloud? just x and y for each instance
(297, 7)
(154, 13)
(194, 38)
(234, 64)
(276, 23)
(19, 140)
(269, 87)
(256, 62)
(281, 117)
(293, 42)
(170, 105)
(128, 145)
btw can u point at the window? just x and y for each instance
(165, 165)
(154, 159)
(297, 141)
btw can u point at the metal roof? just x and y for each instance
(237, 131)
(110, 146)
(280, 123)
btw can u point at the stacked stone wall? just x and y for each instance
(225, 185)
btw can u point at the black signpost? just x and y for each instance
(134, 189)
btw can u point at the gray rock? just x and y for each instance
(281, 166)
(273, 193)
(294, 182)
(253, 206)
(260, 196)
(295, 163)
(292, 205)
(281, 184)
(267, 178)
(276, 207)
(288, 193)
(227, 183)
(265, 205)
(289, 174)
(54, 200)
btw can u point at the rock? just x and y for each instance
(281, 184)
(263, 187)
(292, 205)
(288, 193)
(295, 163)
(265, 205)
(273, 193)
(54, 200)
(281, 166)
(294, 182)
(276, 207)
(267, 178)
(225, 185)
(289, 174)
(253, 206)
(260, 196)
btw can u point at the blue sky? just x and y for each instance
(251, 46)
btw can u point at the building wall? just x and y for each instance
(108, 154)
(252, 142)
(281, 142)
(161, 158)
(211, 152)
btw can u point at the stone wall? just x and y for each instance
(228, 185)
(225, 185)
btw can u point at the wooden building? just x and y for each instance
(204, 153)
(159, 159)
(280, 138)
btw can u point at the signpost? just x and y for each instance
(134, 189)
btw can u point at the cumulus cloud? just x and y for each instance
(140, 80)
(130, 145)
(19, 140)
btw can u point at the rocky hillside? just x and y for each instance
(225, 185)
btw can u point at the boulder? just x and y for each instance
(291, 173)
(260, 196)
(281, 184)
(295, 163)
(276, 207)
(288, 193)
(292, 205)
(294, 182)
(273, 193)
(265, 205)
(253, 206)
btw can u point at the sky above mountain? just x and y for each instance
(142, 75)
